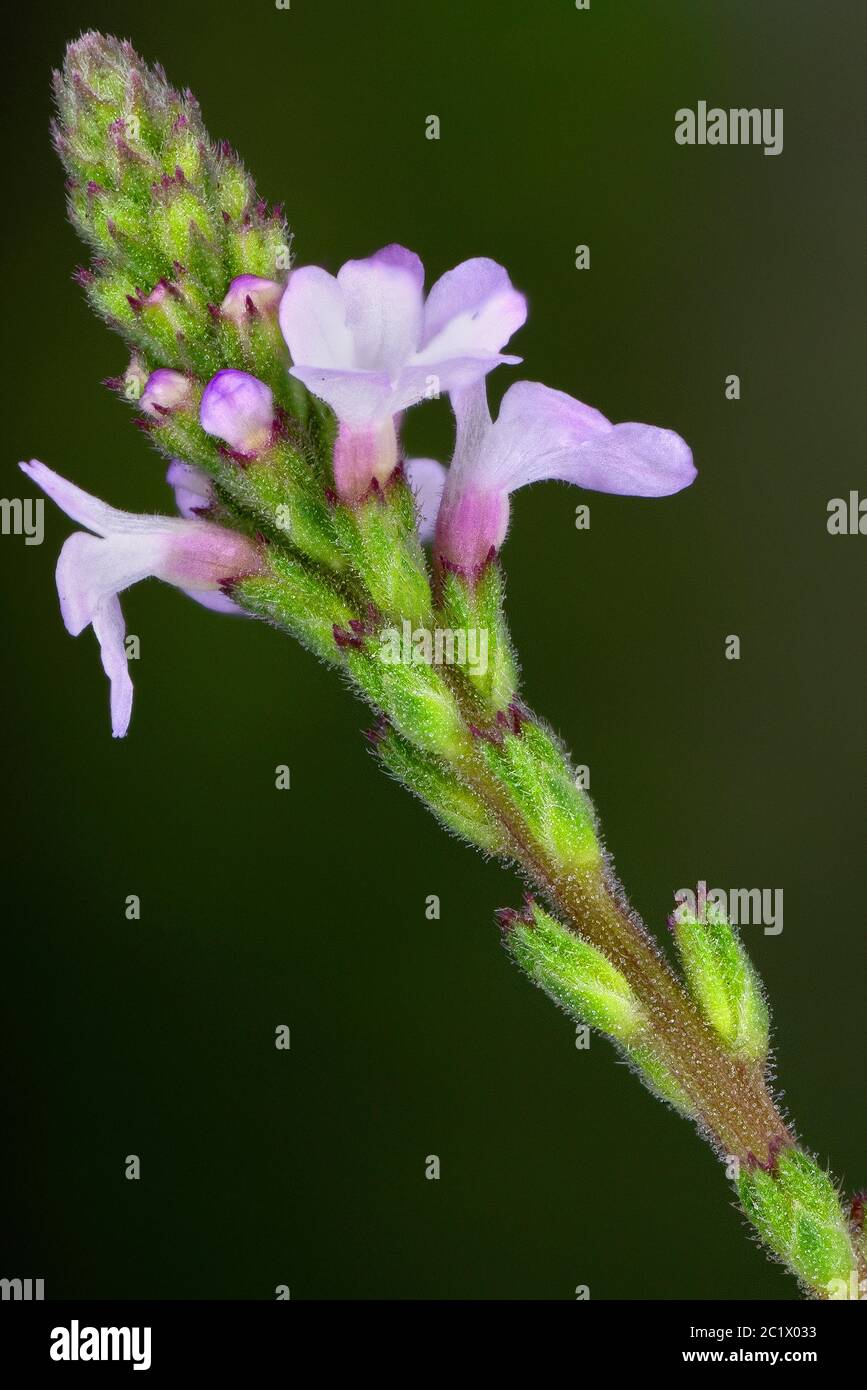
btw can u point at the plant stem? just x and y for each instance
(730, 1098)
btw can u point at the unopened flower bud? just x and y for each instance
(166, 390)
(264, 295)
(239, 409)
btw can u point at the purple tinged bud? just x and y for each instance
(165, 391)
(265, 296)
(239, 409)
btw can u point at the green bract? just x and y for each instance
(723, 981)
(796, 1209)
(575, 974)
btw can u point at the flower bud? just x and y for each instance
(797, 1211)
(264, 295)
(239, 409)
(166, 390)
(722, 979)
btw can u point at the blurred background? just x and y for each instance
(306, 908)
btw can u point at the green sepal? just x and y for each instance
(797, 1211)
(437, 784)
(723, 981)
(559, 813)
(479, 605)
(573, 973)
(379, 538)
(415, 698)
(298, 599)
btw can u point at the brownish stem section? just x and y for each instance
(730, 1098)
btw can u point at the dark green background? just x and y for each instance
(306, 907)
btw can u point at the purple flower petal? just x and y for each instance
(193, 490)
(541, 433)
(472, 310)
(166, 389)
(427, 479)
(264, 295)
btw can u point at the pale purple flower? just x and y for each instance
(368, 343)
(264, 295)
(165, 390)
(196, 556)
(239, 409)
(541, 433)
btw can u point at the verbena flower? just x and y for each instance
(196, 556)
(368, 343)
(541, 433)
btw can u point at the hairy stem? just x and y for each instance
(731, 1099)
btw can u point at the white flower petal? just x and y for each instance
(81, 507)
(90, 568)
(472, 310)
(313, 320)
(541, 433)
(384, 297)
(357, 398)
(110, 630)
